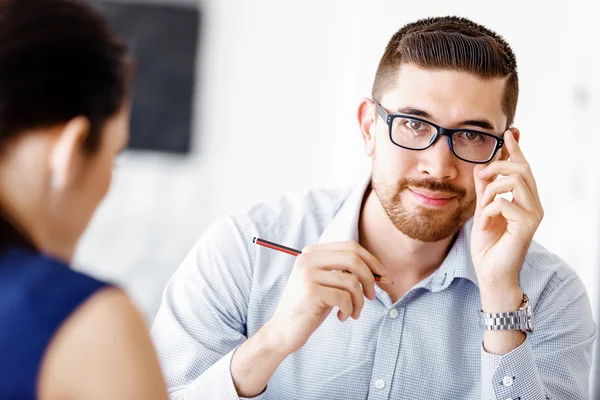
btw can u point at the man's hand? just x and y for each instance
(502, 233)
(503, 230)
(316, 285)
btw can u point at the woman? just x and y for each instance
(64, 117)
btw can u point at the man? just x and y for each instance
(239, 321)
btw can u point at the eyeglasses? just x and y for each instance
(414, 133)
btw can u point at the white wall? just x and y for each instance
(279, 83)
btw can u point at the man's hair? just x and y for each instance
(450, 43)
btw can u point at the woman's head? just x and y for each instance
(64, 115)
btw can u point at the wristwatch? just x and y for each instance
(520, 320)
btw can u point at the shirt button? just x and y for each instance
(508, 381)
(393, 313)
(379, 383)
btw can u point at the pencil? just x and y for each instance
(294, 252)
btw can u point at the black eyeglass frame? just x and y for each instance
(440, 131)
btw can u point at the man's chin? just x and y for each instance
(428, 225)
(429, 234)
(423, 211)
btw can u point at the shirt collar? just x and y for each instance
(457, 264)
(344, 225)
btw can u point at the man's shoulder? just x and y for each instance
(293, 208)
(544, 274)
(288, 216)
(541, 260)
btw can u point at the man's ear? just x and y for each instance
(366, 121)
(66, 154)
(504, 153)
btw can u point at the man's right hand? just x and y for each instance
(317, 284)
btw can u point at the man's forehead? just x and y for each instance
(448, 96)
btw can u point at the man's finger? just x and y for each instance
(514, 150)
(343, 281)
(351, 246)
(332, 297)
(508, 168)
(341, 261)
(480, 185)
(514, 184)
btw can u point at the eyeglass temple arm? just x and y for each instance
(381, 111)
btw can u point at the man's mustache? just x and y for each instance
(433, 186)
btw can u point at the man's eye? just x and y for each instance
(415, 125)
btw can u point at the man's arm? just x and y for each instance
(261, 349)
(200, 330)
(554, 361)
(202, 318)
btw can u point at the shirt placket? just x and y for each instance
(386, 353)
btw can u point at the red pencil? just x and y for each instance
(294, 252)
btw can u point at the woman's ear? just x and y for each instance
(504, 153)
(366, 121)
(66, 154)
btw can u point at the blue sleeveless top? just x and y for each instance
(37, 294)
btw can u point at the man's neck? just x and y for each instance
(407, 261)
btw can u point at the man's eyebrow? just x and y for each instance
(481, 123)
(414, 111)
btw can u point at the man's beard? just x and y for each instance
(423, 223)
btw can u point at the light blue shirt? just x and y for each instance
(427, 345)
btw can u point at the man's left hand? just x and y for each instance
(503, 230)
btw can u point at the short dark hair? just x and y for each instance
(58, 59)
(452, 43)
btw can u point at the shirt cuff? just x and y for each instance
(217, 383)
(511, 376)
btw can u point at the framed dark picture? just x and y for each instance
(164, 41)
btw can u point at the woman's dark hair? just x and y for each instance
(58, 59)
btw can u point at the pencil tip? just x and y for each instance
(254, 240)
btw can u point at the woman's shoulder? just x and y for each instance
(106, 337)
(42, 285)
(37, 295)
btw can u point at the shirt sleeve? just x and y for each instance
(555, 359)
(202, 317)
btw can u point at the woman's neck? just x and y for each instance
(26, 218)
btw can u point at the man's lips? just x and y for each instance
(432, 195)
(431, 199)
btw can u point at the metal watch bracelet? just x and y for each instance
(520, 320)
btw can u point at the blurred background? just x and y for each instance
(273, 86)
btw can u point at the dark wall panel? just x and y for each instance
(164, 42)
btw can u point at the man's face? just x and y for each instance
(430, 194)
